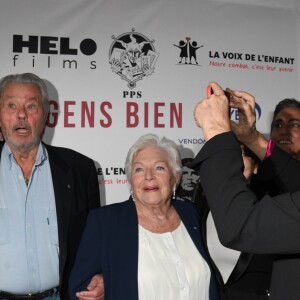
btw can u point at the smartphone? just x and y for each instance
(209, 92)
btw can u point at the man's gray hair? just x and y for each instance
(27, 78)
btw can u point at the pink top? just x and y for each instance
(270, 148)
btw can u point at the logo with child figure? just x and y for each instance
(132, 56)
(188, 50)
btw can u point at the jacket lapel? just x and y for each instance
(242, 263)
(240, 267)
(126, 252)
(63, 190)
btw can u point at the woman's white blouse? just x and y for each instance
(170, 267)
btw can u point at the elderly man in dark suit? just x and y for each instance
(46, 194)
(271, 225)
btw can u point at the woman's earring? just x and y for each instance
(131, 193)
(174, 194)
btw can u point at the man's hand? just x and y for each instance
(211, 114)
(95, 289)
(245, 130)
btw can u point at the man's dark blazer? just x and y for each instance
(76, 191)
(271, 225)
(250, 278)
(110, 246)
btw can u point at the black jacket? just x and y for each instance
(269, 226)
(76, 191)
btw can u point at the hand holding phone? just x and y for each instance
(209, 92)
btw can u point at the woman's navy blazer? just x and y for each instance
(109, 246)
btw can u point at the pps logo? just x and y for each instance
(132, 56)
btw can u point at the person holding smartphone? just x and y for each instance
(244, 223)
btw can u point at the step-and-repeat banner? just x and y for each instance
(118, 69)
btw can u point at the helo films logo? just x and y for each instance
(50, 50)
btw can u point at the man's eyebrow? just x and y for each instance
(294, 119)
(37, 97)
(289, 120)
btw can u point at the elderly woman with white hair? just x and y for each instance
(150, 246)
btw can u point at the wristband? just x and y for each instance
(270, 148)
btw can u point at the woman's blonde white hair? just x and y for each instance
(152, 140)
